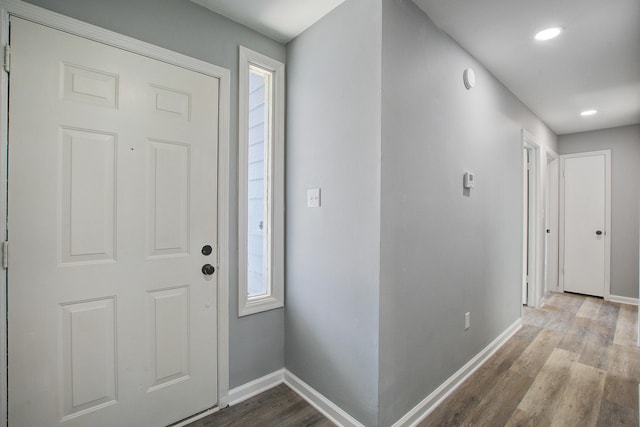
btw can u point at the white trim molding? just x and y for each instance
(73, 26)
(273, 192)
(255, 387)
(622, 300)
(535, 225)
(326, 407)
(424, 408)
(340, 417)
(60, 22)
(550, 189)
(4, 138)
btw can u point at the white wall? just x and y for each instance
(444, 251)
(332, 252)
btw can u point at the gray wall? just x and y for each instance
(332, 271)
(256, 342)
(624, 143)
(444, 252)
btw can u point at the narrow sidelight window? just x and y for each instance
(261, 183)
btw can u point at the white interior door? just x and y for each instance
(111, 197)
(584, 224)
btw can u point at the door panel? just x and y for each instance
(584, 216)
(112, 193)
(88, 168)
(170, 336)
(169, 190)
(88, 355)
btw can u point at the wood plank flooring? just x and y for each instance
(279, 406)
(574, 363)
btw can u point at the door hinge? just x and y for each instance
(7, 58)
(5, 254)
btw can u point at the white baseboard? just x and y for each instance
(329, 409)
(622, 300)
(340, 417)
(255, 387)
(424, 408)
(542, 300)
(305, 391)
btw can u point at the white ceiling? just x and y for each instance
(594, 64)
(281, 20)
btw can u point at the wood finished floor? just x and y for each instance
(279, 406)
(574, 363)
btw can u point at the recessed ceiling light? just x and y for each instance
(549, 33)
(589, 112)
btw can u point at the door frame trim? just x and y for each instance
(73, 26)
(607, 219)
(535, 225)
(551, 188)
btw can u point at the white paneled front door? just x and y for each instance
(111, 203)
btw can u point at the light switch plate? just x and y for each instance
(469, 180)
(313, 198)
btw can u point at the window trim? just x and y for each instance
(274, 228)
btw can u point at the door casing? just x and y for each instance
(73, 26)
(531, 254)
(607, 224)
(551, 223)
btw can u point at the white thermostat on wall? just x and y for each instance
(469, 180)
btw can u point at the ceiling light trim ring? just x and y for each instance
(548, 33)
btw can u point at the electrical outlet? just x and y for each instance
(467, 320)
